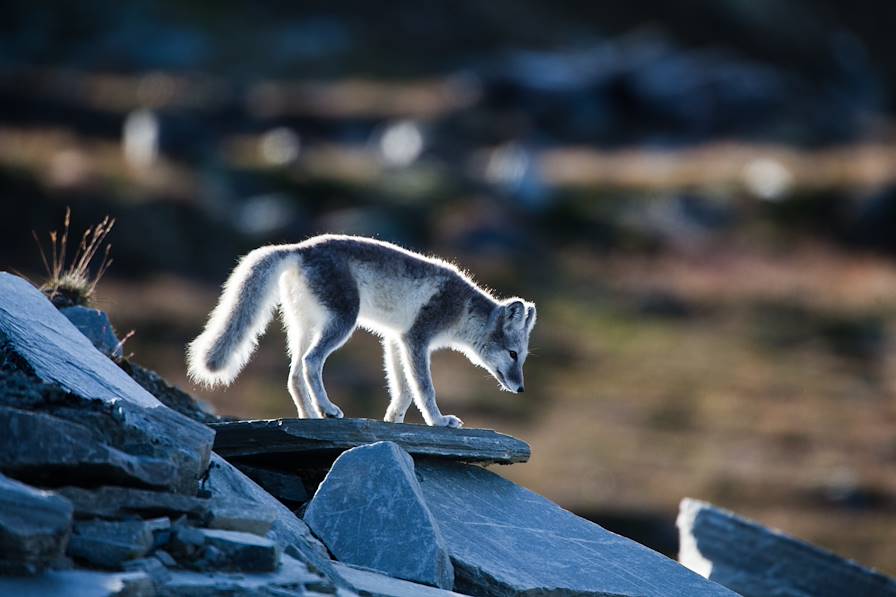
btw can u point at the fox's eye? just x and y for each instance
(513, 354)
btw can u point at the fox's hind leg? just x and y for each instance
(331, 336)
(399, 391)
(298, 336)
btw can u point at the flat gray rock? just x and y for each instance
(241, 552)
(83, 583)
(370, 511)
(152, 567)
(225, 483)
(240, 439)
(107, 544)
(368, 583)
(756, 561)
(119, 502)
(37, 446)
(292, 577)
(236, 514)
(45, 344)
(34, 527)
(506, 540)
(95, 325)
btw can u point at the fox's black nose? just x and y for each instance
(520, 390)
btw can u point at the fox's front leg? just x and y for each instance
(400, 394)
(415, 358)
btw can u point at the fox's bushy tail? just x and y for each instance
(243, 312)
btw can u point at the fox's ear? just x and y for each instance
(530, 317)
(516, 310)
(514, 314)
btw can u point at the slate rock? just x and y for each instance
(506, 540)
(756, 561)
(37, 446)
(224, 483)
(40, 343)
(236, 514)
(243, 552)
(286, 487)
(152, 567)
(166, 558)
(186, 543)
(95, 325)
(34, 527)
(83, 583)
(118, 502)
(370, 511)
(107, 544)
(373, 584)
(291, 577)
(278, 437)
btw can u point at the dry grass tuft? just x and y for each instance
(73, 284)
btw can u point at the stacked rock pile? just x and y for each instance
(109, 486)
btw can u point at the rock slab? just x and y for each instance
(370, 511)
(34, 527)
(45, 344)
(756, 561)
(37, 446)
(368, 583)
(120, 502)
(506, 540)
(292, 577)
(240, 439)
(108, 544)
(244, 552)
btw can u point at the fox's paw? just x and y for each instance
(332, 412)
(393, 417)
(449, 421)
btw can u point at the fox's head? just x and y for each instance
(505, 343)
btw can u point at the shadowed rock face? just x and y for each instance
(68, 378)
(506, 540)
(224, 483)
(120, 502)
(95, 325)
(370, 511)
(755, 561)
(109, 544)
(36, 446)
(34, 527)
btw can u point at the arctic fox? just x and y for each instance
(328, 285)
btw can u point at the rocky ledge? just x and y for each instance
(108, 486)
(271, 440)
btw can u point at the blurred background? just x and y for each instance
(699, 196)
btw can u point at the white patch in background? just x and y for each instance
(140, 139)
(768, 179)
(279, 146)
(401, 143)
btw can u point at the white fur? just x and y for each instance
(241, 336)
